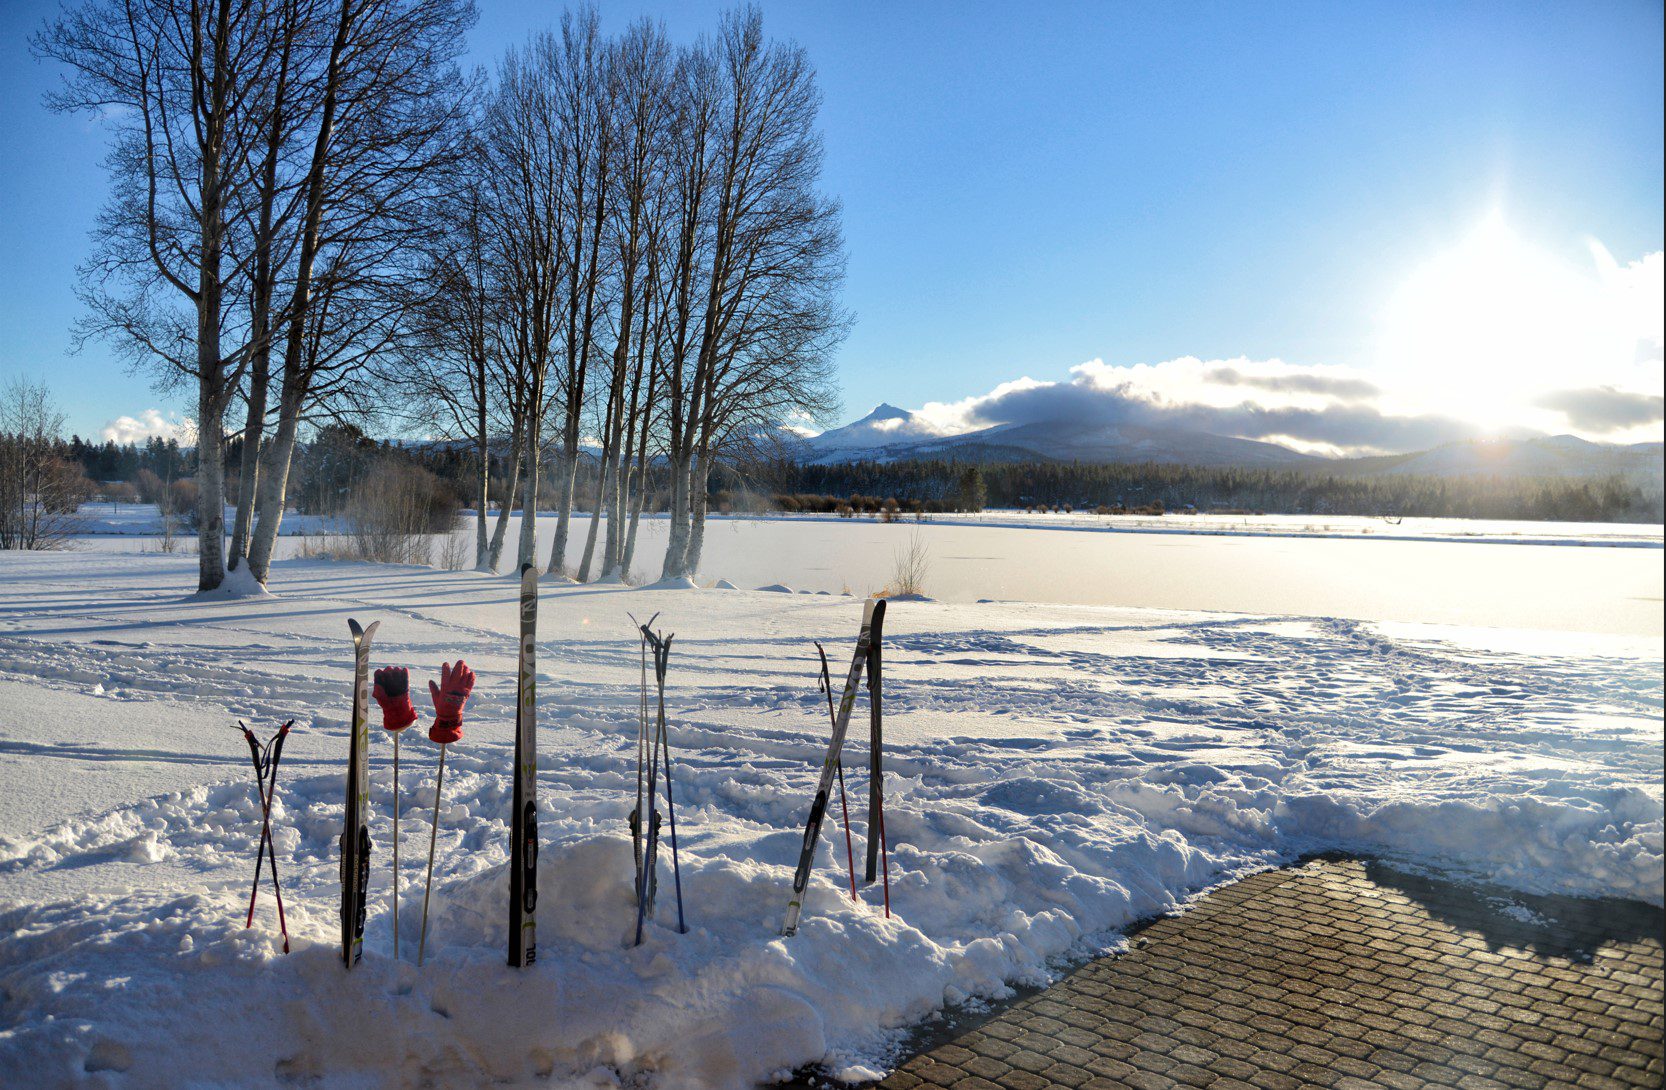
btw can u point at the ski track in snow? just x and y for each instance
(1053, 774)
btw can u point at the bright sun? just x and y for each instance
(1486, 325)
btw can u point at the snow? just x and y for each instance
(1055, 772)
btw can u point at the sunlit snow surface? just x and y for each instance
(1054, 773)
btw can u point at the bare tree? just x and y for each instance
(39, 492)
(582, 92)
(272, 196)
(770, 265)
(523, 156)
(640, 71)
(179, 83)
(387, 127)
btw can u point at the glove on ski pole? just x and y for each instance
(449, 696)
(393, 694)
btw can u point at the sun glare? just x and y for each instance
(1492, 321)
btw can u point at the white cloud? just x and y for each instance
(151, 422)
(1326, 410)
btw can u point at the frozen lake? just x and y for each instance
(1467, 582)
(1600, 579)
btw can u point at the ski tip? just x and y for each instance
(355, 628)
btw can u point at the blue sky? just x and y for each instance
(1029, 187)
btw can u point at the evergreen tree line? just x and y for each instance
(110, 461)
(1230, 489)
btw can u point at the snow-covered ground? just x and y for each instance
(1055, 773)
(1507, 574)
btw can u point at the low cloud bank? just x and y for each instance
(150, 424)
(1605, 409)
(1317, 409)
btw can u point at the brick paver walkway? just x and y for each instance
(1338, 973)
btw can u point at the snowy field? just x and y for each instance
(1056, 772)
(1361, 569)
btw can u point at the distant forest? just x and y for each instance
(340, 456)
(1226, 488)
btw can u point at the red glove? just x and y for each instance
(449, 696)
(393, 693)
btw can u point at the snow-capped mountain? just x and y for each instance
(891, 434)
(885, 429)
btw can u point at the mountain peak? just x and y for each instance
(886, 411)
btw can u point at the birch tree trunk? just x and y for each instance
(494, 551)
(528, 553)
(483, 446)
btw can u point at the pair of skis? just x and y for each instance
(265, 759)
(866, 658)
(523, 846)
(653, 749)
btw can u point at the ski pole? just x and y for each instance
(395, 892)
(393, 694)
(260, 792)
(885, 854)
(647, 875)
(662, 655)
(850, 853)
(433, 834)
(266, 826)
(449, 696)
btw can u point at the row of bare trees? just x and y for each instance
(643, 268)
(609, 248)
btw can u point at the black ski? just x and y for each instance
(355, 833)
(658, 750)
(523, 833)
(873, 613)
(876, 760)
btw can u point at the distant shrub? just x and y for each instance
(395, 509)
(911, 563)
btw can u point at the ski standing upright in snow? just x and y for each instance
(642, 734)
(523, 832)
(877, 848)
(355, 833)
(873, 613)
(658, 750)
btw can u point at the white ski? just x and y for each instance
(873, 613)
(355, 833)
